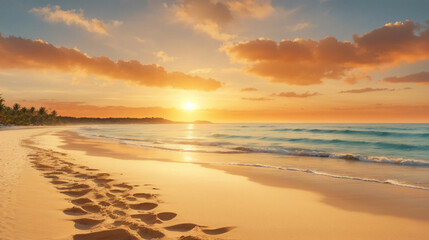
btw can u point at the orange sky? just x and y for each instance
(235, 60)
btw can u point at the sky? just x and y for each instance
(219, 60)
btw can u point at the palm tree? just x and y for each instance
(41, 115)
(42, 111)
(1, 103)
(2, 109)
(25, 116)
(16, 107)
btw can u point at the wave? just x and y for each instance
(217, 135)
(200, 143)
(226, 151)
(344, 156)
(353, 132)
(384, 145)
(388, 181)
(230, 148)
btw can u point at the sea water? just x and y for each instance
(394, 154)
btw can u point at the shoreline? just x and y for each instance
(228, 202)
(382, 199)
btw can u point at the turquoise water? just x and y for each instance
(386, 153)
(371, 142)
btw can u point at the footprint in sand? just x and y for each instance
(84, 176)
(90, 207)
(183, 227)
(217, 231)
(104, 204)
(86, 223)
(148, 218)
(123, 185)
(75, 211)
(166, 216)
(190, 238)
(186, 227)
(77, 193)
(143, 206)
(144, 195)
(113, 200)
(116, 234)
(120, 204)
(51, 176)
(149, 233)
(75, 186)
(131, 198)
(131, 225)
(152, 218)
(117, 191)
(109, 195)
(119, 213)
(59, 182)
(81, 201)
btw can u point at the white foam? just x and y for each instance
(388, 181)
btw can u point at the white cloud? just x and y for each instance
(163, 56)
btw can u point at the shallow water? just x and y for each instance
(395, 154)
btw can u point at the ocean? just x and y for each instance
(391, 154)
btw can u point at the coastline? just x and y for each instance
(381, 199)
(258, 203)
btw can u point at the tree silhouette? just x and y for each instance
(18, 115)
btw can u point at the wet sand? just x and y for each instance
(101, 190)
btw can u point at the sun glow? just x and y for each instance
(189, 106)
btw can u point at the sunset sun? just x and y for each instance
(189, 106)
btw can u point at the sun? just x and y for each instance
(189, 106)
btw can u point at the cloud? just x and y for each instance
(256, 99)
(73, 17)
(251, 8)
(300, 26)
(248, 89)
(140, 40)
(306, 62)
(296, 95)
(20, 53)
(211, 17)
(364, 90)
(163, 56)
(421, 78)
(353, 77)
(201, 70)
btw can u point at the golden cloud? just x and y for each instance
(256, 99)
(163, 56)
(306, 62)
(421, 78)
(20, 53)
(365, 90)
(296, 95)
(211, 17)
(248, 89)
(72, 17)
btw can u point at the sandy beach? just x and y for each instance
(58, 185)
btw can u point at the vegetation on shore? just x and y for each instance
(17, 115)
